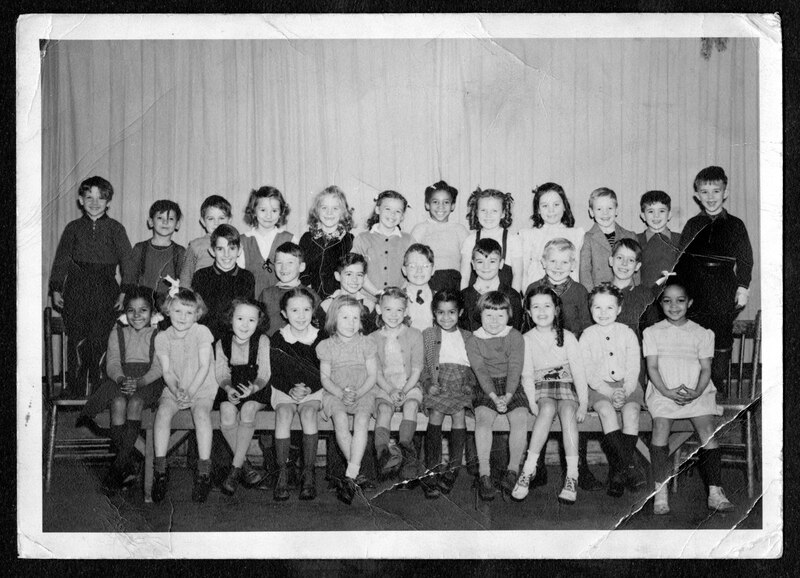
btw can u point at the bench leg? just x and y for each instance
(51, 445)
(149, 454)
(643, 449)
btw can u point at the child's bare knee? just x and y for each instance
(248, 412)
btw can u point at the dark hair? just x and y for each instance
(105, 188)
(653, 197)
(675, 281)
(602, 192)
(216, 202)
(333, 312)
(139, 292)
(711, 174)
(351, 259)
(472, 204)
(374, 218)
(186, 296)
(628, 243)
(293, 249)
(421, 249)
(487, 247)
(265, 192)
(227, 232)
(165, 206)
(263, 319)
(606, 288)
(347, 211)
(494, 300)
(440, 186)
(558, 319)
(567, 218)
(447, 296)
(393, 293)
(299, 291)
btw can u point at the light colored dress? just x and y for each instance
(533, 242)
(184, 360)
(348, 361)
(679, 350)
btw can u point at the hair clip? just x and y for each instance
(267, 265)
(175, 285)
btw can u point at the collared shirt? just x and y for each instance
(420, 313)
(290, 337)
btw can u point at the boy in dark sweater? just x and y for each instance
(487, 261)
(717, 265)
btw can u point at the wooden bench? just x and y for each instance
(182, 423)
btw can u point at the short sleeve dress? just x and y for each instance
(348, 367)
(679, 350)
(184, 360)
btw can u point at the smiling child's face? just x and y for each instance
(164, 224)
(624, 263)
(604, 213)
(288, 267)
(351, 278)
(712, 195)
(298, 313)
(440, 206)
(551, 208)
(558, 264)
(138, 313)
(392, 311)
(330, 212)
(490, 212)
(656, 216)
(604, 309)
(245, 321)
(225, 254)
(268, 212)
(417, 269)
(487, 267)
(213, 218)
(447, 314)
(93, 203)
(494, 321)
(390, 213)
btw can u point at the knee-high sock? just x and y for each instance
(433, 446)
(710, 464)
(282, 452)
(456, 448)
(406, 433)
(382, 435)
(310, 442)
(659, 456)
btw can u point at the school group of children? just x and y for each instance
(552, 321)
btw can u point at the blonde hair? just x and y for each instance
(333, 312)
(347, 212)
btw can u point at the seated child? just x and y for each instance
(553, 378)
(679, 353)
(600, 238)
(437, 231)
(448, 384)
(133, 382)
(400, 361)
(487, 262)
(350, 274)
(348, 368)
(417, 269)
(184, 352)
(224, 281)
(289, 264)
(151, 262)
(496, 355)
(214, 211)
(612, 359)
(242, 370)
(296, 387)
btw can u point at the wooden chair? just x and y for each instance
(73, 447)
(743, 406)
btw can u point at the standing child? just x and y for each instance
(448, 382)
(600, 238)
(612, 358)
(554, 379)
(384, 244)
(214, 211)
(289, 265)
(328, 239)
(348, 368)
(490, 217)
(224, 281)
(437, 231)
(496, 356)
(184, 352)
(296, 387)
(552, 218)
(417, 268)
(266, 213)
(625, 261)
(400, 361)
(679, 353)
(83, 283)
(133, 382)
(717, 265)
(350, 274)
(487, 262)
(242, 370)
(152, 261)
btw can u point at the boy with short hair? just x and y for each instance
(418, 270)
(350, 274)
(600, 239)
(625, 261)
(223, 281)
(717, 265)
(214, 211)
(487, 260)
(659, 245)
(289, 264)
(83, 283)
(151, 261)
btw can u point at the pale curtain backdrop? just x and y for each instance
(186, 119)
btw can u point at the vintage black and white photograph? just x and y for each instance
(383, 286)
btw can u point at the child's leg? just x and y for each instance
(659, 453)
(308, 419)
(341, 425)
(569, 432)
(608, 416)
(358, 444)
(484, 422)
(167, 408)
(247, 427)
(517, 436)
(541, 431)
(458, 437)
(133, 426)
(284, 415)
(630, 419)
(409, 424)
(709, 451)
(383, 421)
(433, 440)
(630, 437)
(201, 415)
(117, 433)
(229, 423)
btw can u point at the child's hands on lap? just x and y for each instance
(349, 396)
(398, 397)
(299, 392)
(183, 398)
(128, 386)
(687, 395)
(246, 391)
(618, 398)
(233, 395)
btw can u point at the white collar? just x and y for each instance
(493, 285)
(395, 233)
(481, 333)
(289, 337)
